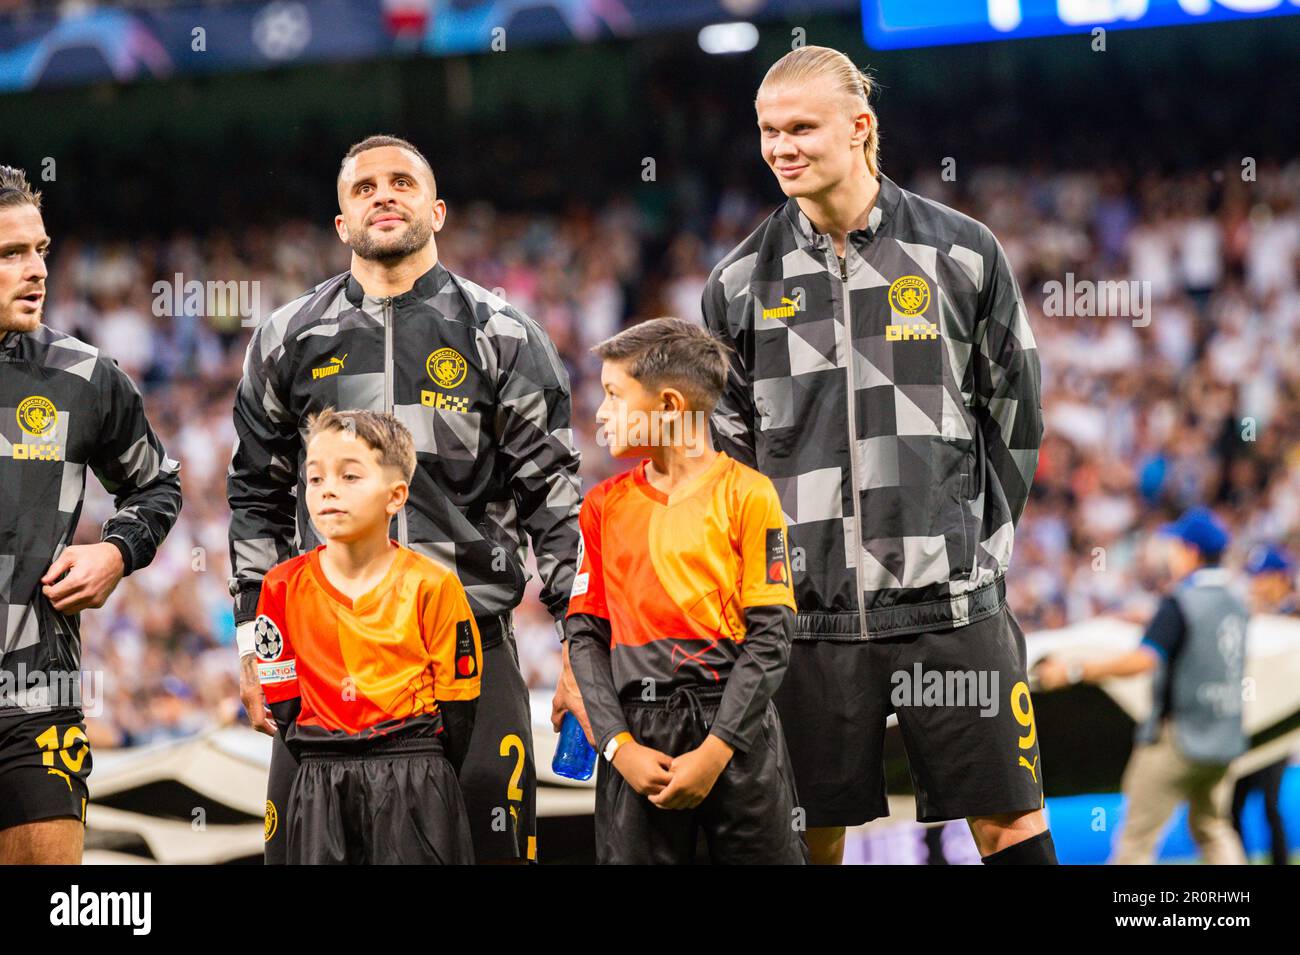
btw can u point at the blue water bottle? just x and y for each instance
(575, 758)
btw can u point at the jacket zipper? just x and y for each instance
(970, 491)
(402, 535)
(853, 440)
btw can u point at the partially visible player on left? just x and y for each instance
(63, 407)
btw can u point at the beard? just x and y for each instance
(392, 249)
(11, 320)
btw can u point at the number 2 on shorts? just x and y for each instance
(508, 743)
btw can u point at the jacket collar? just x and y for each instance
(10, 343)
(1208, 577)
(426, 287)
(881, 213)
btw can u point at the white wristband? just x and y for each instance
(244, 639)
(615, 742)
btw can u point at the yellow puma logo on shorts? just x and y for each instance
(1032, 767)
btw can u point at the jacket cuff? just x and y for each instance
(128, 558)
(247, 595)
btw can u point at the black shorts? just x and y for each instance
(964, 711)
(399, 803)
(499, 777)
(498, 780)
(44, 762)
(747, 818)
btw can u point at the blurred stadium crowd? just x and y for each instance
(1198, 401)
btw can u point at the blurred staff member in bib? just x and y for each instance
(1196, 646)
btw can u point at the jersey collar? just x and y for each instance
(387, 583)
(709, 475)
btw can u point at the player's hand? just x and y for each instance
(568, 699)
(250, 692)
(694, 774)
(1052, 674)
(645, 768)
(89, 572)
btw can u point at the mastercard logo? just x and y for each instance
(465, 666)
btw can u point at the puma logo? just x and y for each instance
(1032, 767)
(333, 368)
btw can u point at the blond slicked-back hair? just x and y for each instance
(810, 62)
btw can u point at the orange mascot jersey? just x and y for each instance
(674, 574)
(369, 667)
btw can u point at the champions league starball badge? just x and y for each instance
(266, 638)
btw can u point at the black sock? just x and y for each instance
(1036, 850)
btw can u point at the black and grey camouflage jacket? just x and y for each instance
(65, 407)
(903, 490)
(483, 392)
